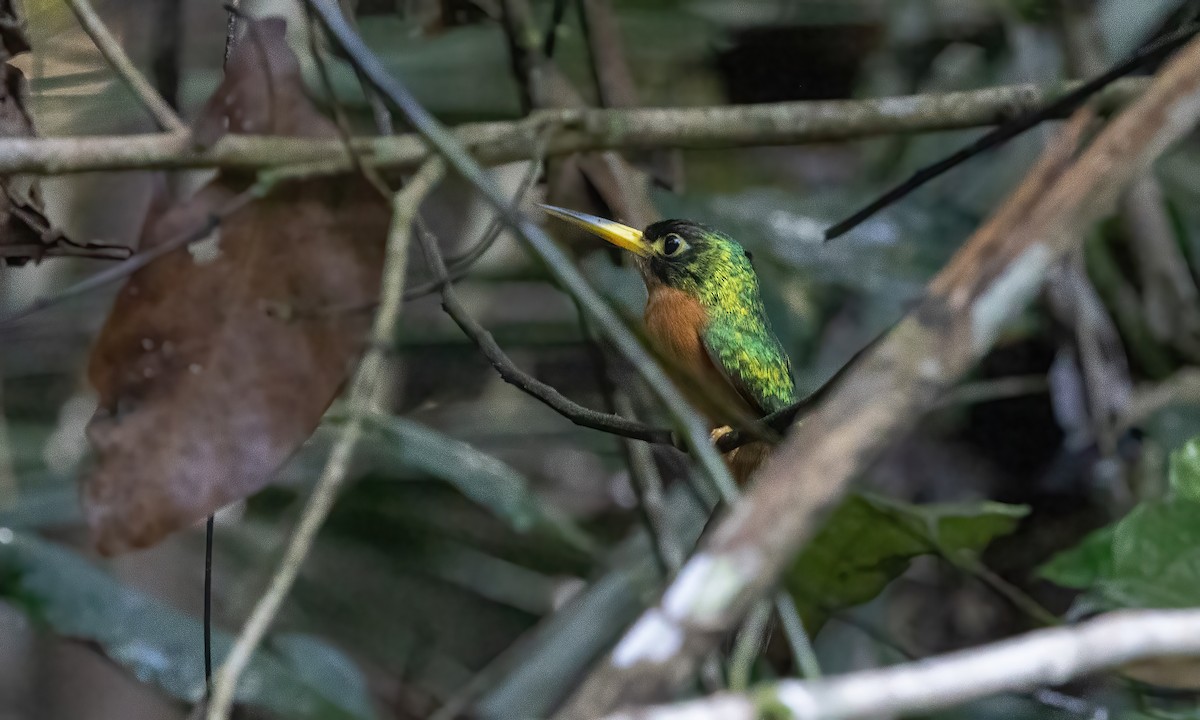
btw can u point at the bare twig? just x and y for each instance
(990, 390)
(1015, 596)
(132, 264)
(518, 378)
(1041, 658)
(1060, 106)
(129, 74)
(92, 252)
(457, 267)
(797, 635)
(960, 316)
(1169, 294)
(1182, 388)
(578, 130)
(647, 485)
(233, 9)
(518, 26)
(369, 375)
(748, 646)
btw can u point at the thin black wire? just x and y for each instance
(210, 525)
(1061, 107)
(208, 556)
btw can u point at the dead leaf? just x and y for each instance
(1176, 673)
(217, 362)
(24, 229)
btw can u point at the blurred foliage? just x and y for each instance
(296, 676)
(478, 476)
(1148, 559)
(869, 541)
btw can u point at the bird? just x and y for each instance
(705, 318)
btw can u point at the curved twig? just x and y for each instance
(120, 62)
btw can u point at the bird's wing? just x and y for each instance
(754, 363)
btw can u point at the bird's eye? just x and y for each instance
(672, 244)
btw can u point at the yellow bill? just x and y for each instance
(620, 235)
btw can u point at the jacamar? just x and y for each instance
(705, 317)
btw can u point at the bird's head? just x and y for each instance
(681, 254)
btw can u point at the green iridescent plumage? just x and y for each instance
(704, 310)
(716, 270)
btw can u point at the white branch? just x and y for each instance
(1038, 659)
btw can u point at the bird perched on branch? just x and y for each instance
(705, 317)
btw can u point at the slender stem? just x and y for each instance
(120, 62)
(798, 639)
(405, 205)
(748, 646)
(457, 267)
(232, 7)
(509, 371)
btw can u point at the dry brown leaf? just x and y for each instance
(216, 363)
(22, 222)
(1172, 673)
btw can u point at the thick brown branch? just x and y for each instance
(576, 130)
(966, 305)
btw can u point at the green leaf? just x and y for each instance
(1148, 559)
(1085, 565)
(480, 477)
(294, 677)
(1185, 471)
(869, 541)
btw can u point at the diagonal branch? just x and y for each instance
(1037, 659)
(986, 283)
(120, 62)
